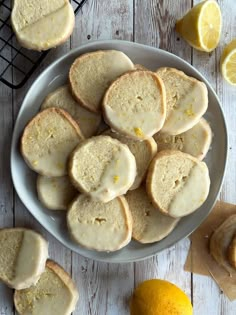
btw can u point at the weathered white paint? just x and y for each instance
(105, 288)
(207, 297)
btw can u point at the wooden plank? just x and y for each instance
(6, 190)
(207, 296)
(154, 25)
(23, 217)
(102, 20)
(104, 288)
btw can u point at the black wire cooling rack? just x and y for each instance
(13, 57)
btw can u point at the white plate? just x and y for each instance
(56, 75)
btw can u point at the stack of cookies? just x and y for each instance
(120, 148)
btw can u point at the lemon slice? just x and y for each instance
(201, 26)
(228, 63)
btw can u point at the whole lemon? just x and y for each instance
(159, 297)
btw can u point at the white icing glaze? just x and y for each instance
(197, 140)
(60, 303)
(49, 30)
(193, 194)
(188, 110)
(30, 260)
(116, 178)
(137, 125)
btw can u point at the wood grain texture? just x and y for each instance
(102, 20)
(207, 297)
(104, 288)
(154, 25)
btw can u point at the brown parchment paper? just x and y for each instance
(199, 260)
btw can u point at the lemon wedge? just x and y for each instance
(228, 62)
(201, 26)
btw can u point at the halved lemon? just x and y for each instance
(201, 26)
(228, 62)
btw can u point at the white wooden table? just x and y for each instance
(105, 288)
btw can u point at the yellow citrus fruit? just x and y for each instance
(201, 26)
(228, 62)
(159, 297)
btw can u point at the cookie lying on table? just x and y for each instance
(38, 24)
(54, 294)
(23, 256)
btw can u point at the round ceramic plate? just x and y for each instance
(56, 75)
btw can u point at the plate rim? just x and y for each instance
(89, 46)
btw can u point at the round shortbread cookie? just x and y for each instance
(62, 98)
(134, 104)
(102, 167)
(47, 141)
(195, 141)
(177, 183)
(92, 73)
(149, 224)
(54, 294)
(23, 256)
(186, 100)
(143, 151)
(55, 193)
(140, 67)
(37, 24)
(100, 226)
(220, 241)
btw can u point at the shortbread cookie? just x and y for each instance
(135, 104)
(220, 241)
(55, 193)
(102, 167)
(149, 224)
(62, 98)
(187, 100)
(38, 24)
(196, 141)
(140, 67)
(23, 256)
(177, 183)
(48, 140)
(143, 152)
(100, 226)
(54, 294)
(92, 73)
